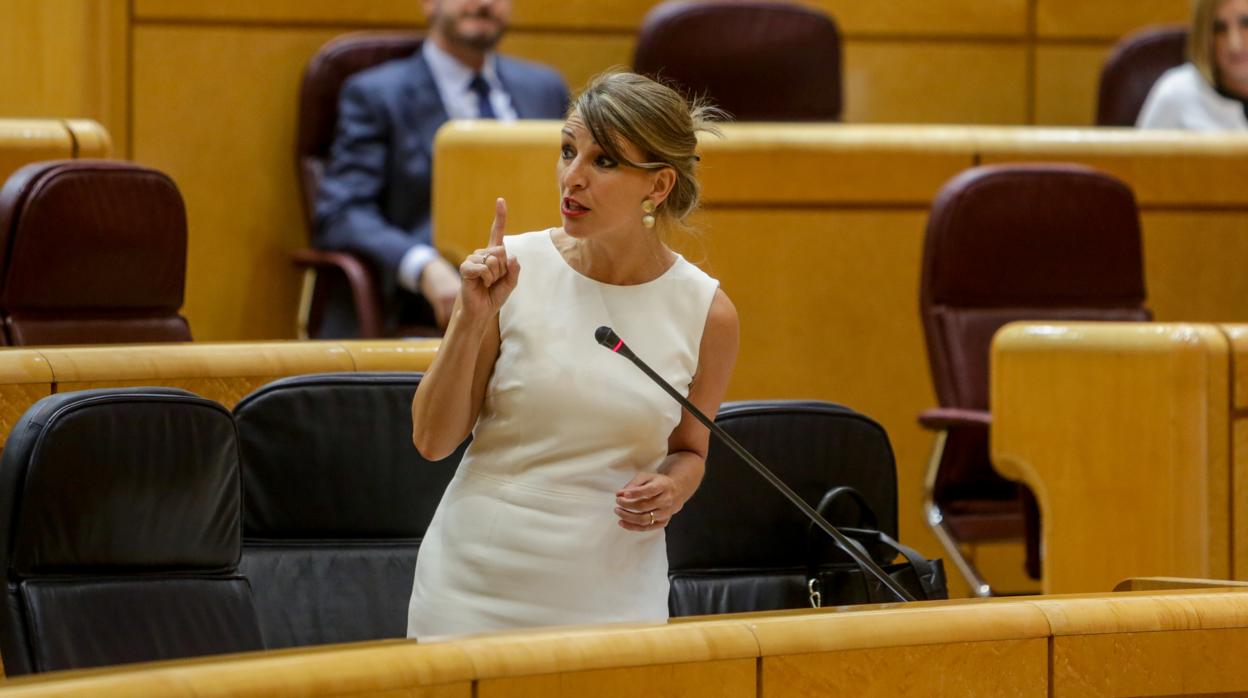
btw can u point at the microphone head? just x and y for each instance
(607, 337)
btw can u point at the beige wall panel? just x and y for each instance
(1120, 429)
(229, 145)
(578, 57)
(620, 15)
(1196, 662)
(844, 334)
(913, 17)
(920, 18)
(1067, 80)
(1190, 265)
(1105, 20)
(1168, 169)
(1003, 668)
(935, 82)
(730, 679)
(64, 59)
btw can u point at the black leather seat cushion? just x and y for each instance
(88, 623)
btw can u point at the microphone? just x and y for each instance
(609, 339)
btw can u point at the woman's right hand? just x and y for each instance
(489, 274)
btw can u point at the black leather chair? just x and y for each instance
(757, 60)
(1006, 243)
(738, 545)
(121, 532)
(336, 500)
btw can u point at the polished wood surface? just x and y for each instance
(1123, 432)
(225, 372)
(777, 196)
(1162, 583)
(23, 141)
(1184, 642)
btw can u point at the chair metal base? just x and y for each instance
(936, 521)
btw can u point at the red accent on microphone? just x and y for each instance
(617, 346)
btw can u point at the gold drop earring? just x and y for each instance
(648, 219)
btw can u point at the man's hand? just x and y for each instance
(439, 284)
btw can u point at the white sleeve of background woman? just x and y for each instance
(1167, 101)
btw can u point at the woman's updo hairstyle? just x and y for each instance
(620, 107)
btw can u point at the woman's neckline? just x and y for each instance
(550, 237)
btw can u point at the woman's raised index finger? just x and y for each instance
(500, 222)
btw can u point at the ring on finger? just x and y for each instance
(651, 519)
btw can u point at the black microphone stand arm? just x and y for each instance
(851, 547)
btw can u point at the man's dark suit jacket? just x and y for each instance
(375, 195)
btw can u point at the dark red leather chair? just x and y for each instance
(92, 252)
(318, 119)
(1130, 71)
(759, 61)
(1006, 243)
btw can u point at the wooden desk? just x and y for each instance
(1141, 643)
(1132, 435)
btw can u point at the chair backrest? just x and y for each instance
(336, 61)
(1023, 242)
(121, 532)
(739, 545)
(757, 60)
(92, 252)
(1130, 71)
(336, 501)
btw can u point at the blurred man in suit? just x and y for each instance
(375, 196)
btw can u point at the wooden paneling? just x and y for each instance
(1190, 265)
(1005, 668)
(1153, 643)
(578, 57)
(1104, 20)
(1156, 645)
(229, 144)
(961, 18)
(1067, 80)
(1121, 429)
(64, 59)
(949, 83)
(731, 679)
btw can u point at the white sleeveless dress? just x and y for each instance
(526, 533)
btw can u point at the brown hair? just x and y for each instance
(620, 107)
(1200, 39)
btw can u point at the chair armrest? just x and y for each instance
(944, 418)
(359, 277)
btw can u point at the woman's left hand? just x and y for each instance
(647, 502)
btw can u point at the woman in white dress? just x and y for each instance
(1210, 91)
(578, 461)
